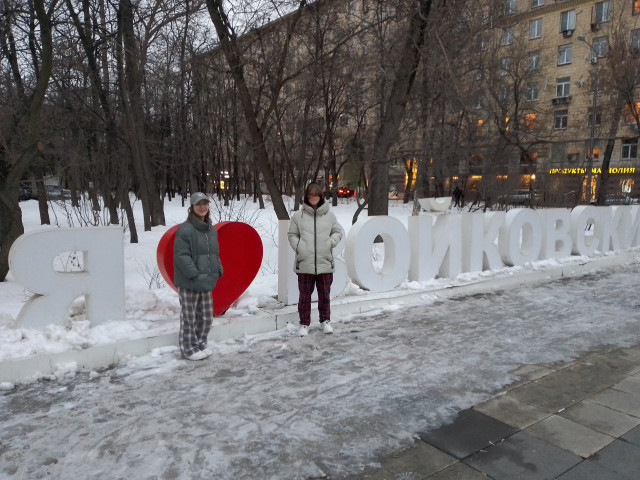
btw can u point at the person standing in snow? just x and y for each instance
(313, 233)
(197, 268)
(457, 196)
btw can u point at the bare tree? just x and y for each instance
(232, 50)
(620, 75)
(29, 58)
(404, 76)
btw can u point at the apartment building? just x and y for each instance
(543, 87)
(576, 73)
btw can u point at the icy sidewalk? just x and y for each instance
(282, 407)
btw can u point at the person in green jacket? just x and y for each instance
(197, 268)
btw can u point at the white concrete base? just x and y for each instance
(32, 368)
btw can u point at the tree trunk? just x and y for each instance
(601, 189)
(130, 76)
(405, 75)
(14, 163)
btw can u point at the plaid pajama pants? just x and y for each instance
(196, 317)
(306, 283)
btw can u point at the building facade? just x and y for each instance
(510, 95)
(573, 69)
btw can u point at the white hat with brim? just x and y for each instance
(199, 197)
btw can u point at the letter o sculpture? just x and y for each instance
(396, 253)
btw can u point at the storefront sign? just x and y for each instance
(595, 170)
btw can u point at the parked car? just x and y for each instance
(56, 193)
(617, 199)
(519, 197)
(344, 192)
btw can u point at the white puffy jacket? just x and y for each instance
(313, 234)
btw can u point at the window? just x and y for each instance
(480, 128)
(603, 11)
(509, 6)
(531, 92)
(560, 119)
(568, 21)
(635, 40)
(564, 54)
(503, 95)
(533, 61)
(601, 46)
(635, 7)
(345, 120)
(507, 36)
(594, 117)
(537, 3)
(629, 148)
(535, 28)
(531, 121)
(563, 86)
(505, 65)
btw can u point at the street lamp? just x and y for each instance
(594, 61)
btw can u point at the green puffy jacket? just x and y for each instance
(196, 261)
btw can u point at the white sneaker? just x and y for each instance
(199, 355)
(326, 327)
(304, 330)
(207, 352)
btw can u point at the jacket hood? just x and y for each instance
(321, 210)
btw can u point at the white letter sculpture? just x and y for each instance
(396, 253)
(581, 216)
(556, 237)
(288, 292)
(520, 239)
(101, 282)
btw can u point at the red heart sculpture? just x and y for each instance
(240, 254)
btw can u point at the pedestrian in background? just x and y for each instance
(313, 233)
(457, 196)
(197, 268)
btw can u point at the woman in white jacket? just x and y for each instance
(313, 233)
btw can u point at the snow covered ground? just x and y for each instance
(277, 406)
(152, 308)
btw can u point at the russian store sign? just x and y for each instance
(596, 170)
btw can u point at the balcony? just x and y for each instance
(561, 100)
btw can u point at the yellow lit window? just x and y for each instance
(596, 153)
(531, 121)
(636, 7)
(480, 128)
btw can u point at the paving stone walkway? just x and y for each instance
(575, 421)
